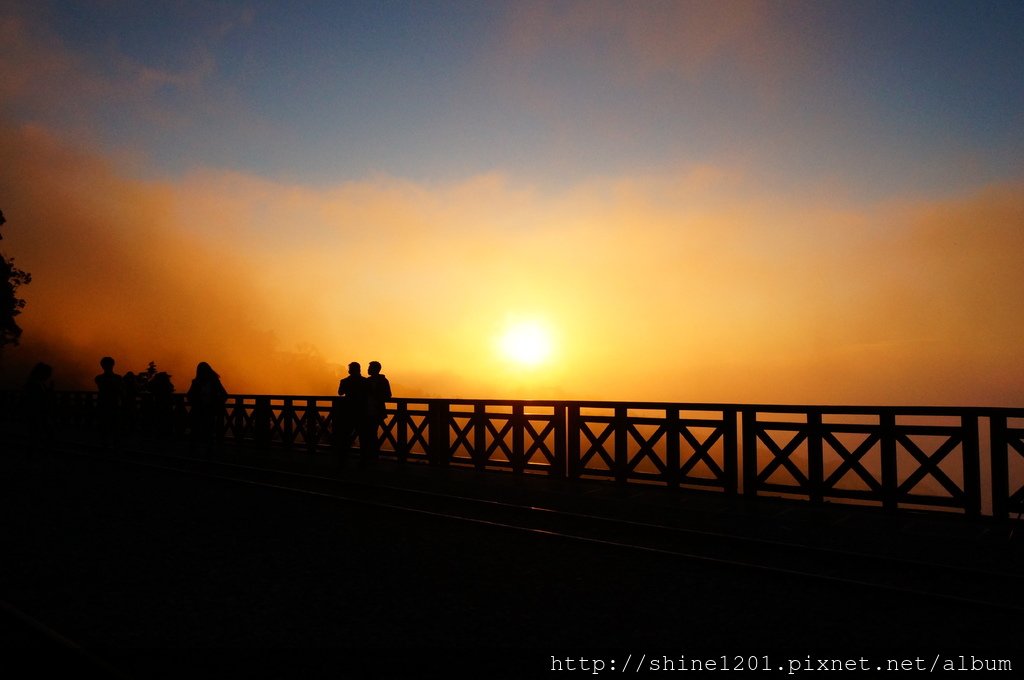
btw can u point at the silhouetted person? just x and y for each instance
(37, 401)
(160, 405)
(109, 395)
(206, 397)
(379, 393)
(354, 388)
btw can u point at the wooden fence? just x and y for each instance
(968, 460)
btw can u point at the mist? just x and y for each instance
(692, 287)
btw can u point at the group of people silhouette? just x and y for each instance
(117, 396)
(121, 399)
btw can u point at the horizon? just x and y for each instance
(735, 202)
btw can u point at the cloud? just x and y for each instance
(113, 275)
(641, 43)
(39, 71)
(52, 81)
(695, 286)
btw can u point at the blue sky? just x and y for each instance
(881, 96)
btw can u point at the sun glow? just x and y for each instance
(526, 343)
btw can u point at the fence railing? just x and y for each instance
(968, 460)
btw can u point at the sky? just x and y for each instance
(771, 202)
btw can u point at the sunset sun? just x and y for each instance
(526, 343)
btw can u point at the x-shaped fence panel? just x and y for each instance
(921, 466)
(851, 477)
(663, 444)
(460, 438)
(544, 440)
(786, 447)
(879, 457)
(591, 445)
(707, 455)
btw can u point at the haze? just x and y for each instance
(781, 202)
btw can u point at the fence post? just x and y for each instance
(311, 425)
(402, 422)
(1000, 466)
(572, 438)
(518, 438)
(439, 440)
(288, 423)
(559, 468)
(890, 479)
(972, 464)
(749, 453)
(815, 462)
(672, 464)
(261, 416)
(338, 429)
(621, 457)
(479, 452)
(729, 453)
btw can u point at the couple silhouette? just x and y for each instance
(363, 408)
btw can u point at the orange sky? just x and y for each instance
(694, 286)
(795, 204)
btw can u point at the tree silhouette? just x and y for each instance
(10, 304)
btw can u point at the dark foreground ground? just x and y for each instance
(159, 575)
